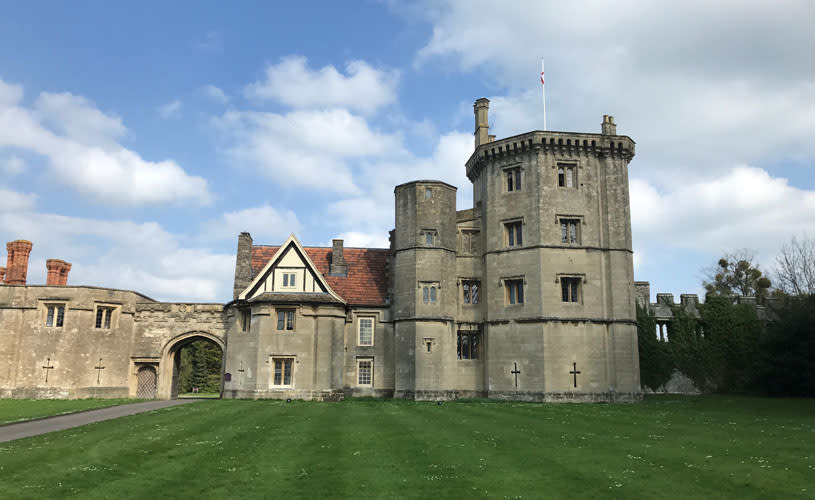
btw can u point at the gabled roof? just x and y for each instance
(366, 283)
(290, 243)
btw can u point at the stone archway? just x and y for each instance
(168, 375)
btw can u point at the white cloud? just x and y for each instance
(699, 85)
(264, 222)
(370, 213)
(10, 94)
(12, 165)
(364, 240)
(215, 93)
(84, 154)
(77, 118)
(743, 208)
(309, 149)
(170, 110)
(120, 254)
(362, 88)
(11, 201)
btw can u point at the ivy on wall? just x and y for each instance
(719, 351)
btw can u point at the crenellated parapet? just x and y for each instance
(563, 145)
(664, 307)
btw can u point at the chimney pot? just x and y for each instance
(17, 263)
(608, 126)
(57, 272)
(482, 126)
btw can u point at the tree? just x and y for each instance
(730, 353)
(200, 367)
(788, 367)
(795, 267)
(736, 274)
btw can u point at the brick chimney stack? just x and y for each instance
(2, 274)
(57, 272)
(17, 267)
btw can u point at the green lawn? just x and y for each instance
(667, 447)
(18, 410)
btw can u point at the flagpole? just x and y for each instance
(543, 96)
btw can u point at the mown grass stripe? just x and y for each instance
(705, 447)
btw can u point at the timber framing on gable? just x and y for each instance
(294, 245)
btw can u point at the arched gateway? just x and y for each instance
(171, 359)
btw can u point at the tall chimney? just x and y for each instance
(17, 267)
(338, 266)
(482, 125)
(57, 272)
(609, 127)
(243, 264)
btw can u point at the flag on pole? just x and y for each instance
(543, 96)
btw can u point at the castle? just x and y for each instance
(529, 295)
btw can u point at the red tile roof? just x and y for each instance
(366, 283)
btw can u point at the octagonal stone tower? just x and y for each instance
(424, 295)
(557, 298)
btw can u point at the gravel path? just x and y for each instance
(51, 424)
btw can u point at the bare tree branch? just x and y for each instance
(795, 267)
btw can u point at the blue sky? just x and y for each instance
(137, 141)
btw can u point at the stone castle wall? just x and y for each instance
(78, 357)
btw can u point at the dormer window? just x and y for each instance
(289, 280)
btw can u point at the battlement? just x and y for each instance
(663, 308)
(560, 144)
